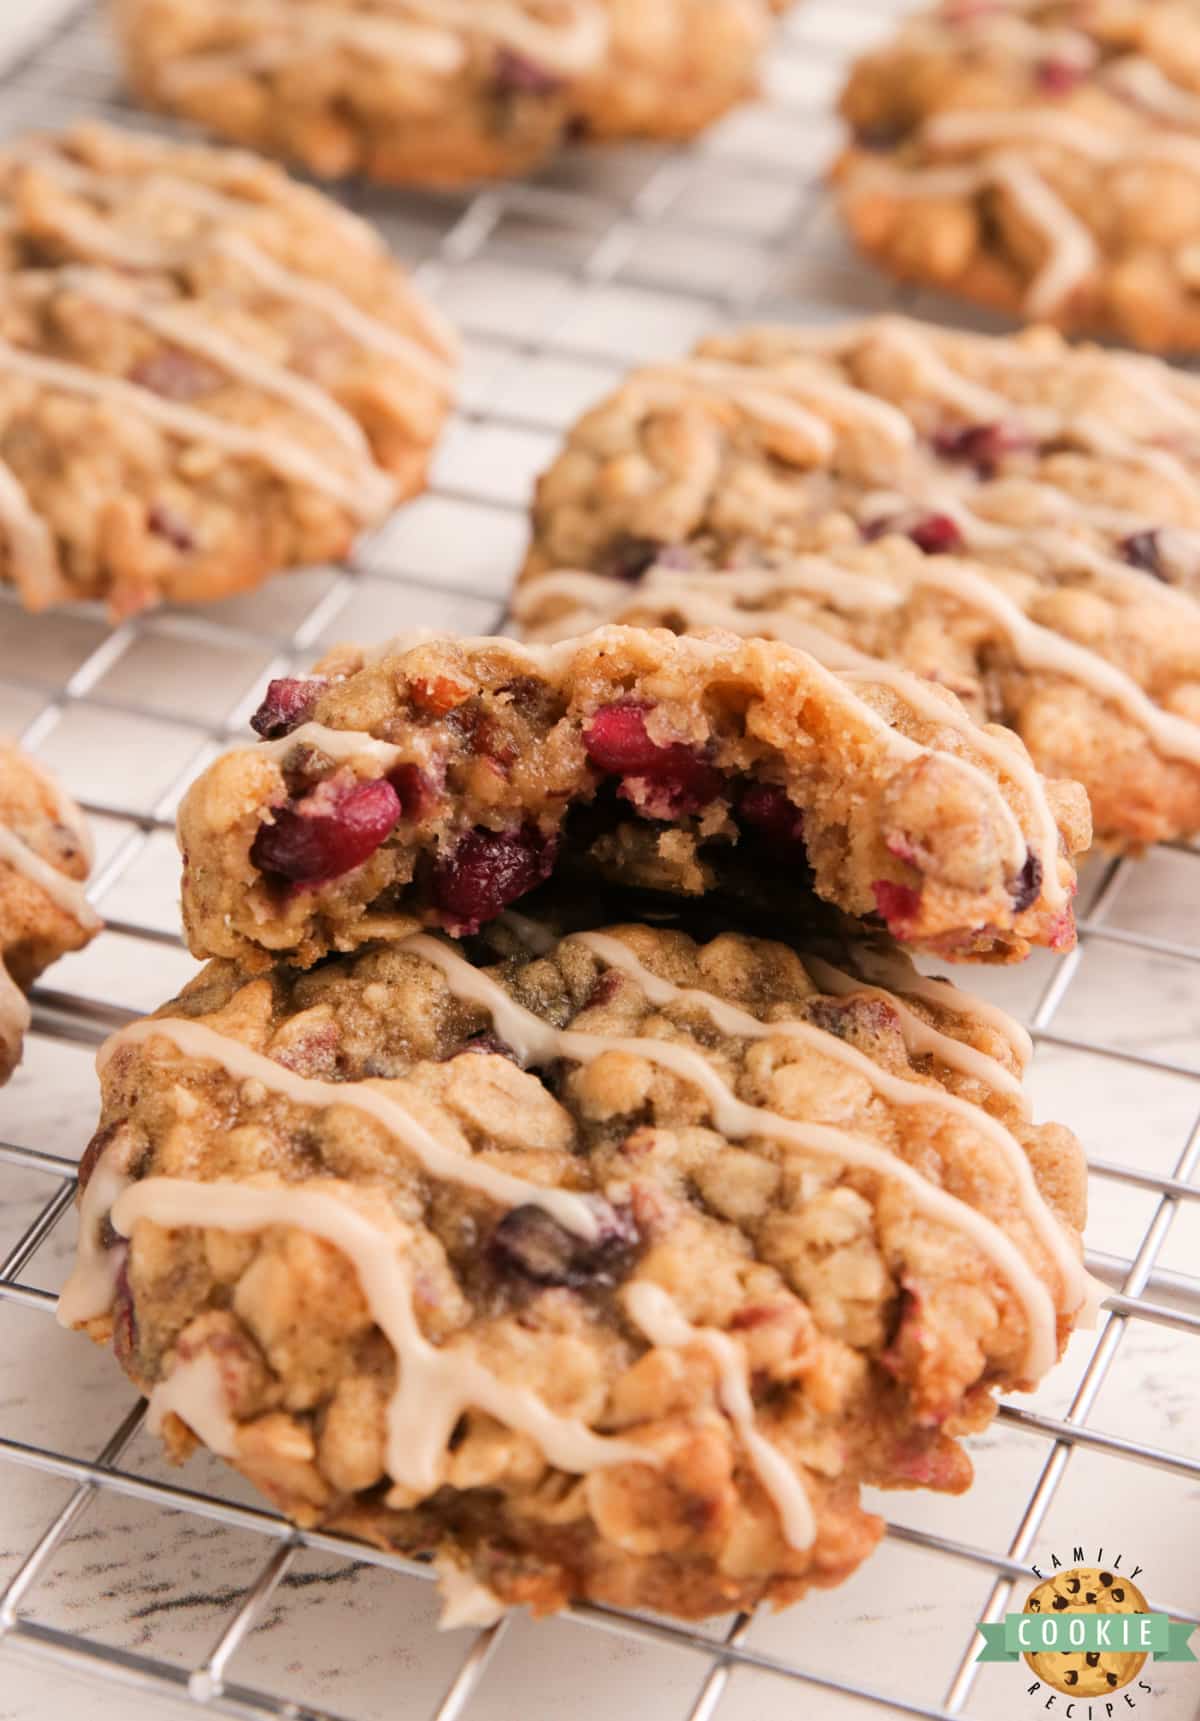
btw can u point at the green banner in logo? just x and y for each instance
(1070, 1633)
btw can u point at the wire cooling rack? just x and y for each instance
(124, 1581)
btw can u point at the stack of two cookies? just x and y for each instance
(498, 1192)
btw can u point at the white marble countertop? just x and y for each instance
(626, 255)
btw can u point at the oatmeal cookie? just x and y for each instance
(438, 92)
(605, 1266)
(438, 783)
(1042, 158)
(207, 372)
(1015, 519)
(45, 857)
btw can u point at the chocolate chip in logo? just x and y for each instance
(1070, 1677)
(1060, 1602)
(1106, 1578)
(1093, 1658)
(1118, 1595)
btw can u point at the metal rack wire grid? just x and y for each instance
(123, 1581)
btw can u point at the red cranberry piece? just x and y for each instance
(289, 702)
(1060, 934)
(329, 831)
(124, 1320)
(872, 530)
(899, 904)
(1027, 886)
(879, 139)
(165, 523)
(176, 375)
(628, 558)
(605, 989)
(983, 446)
(936, 535)
(91, 1155)
(1143, 550)
(516, 74)
(417, 790)
(487, 871)
(1058, 77)
(662, 781)
(766, 808)
(490, 1043)
(535, 1246)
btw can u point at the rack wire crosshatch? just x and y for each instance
(559, 284)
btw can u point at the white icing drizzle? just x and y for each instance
(970, 129)
(920, 1037)
(66, 893)
(664, 592)
(904, 747)
(33, 563)
(1038, 647)
(659, 390)
(435, 1384)
(369, 33)
(839, 402)
(430, 36)
(536, 1041)
(237, 361)
(1140, 81)
(664, 1323)
(290, 459)
(896, 973)
(552, 657)
(370, 332)
(197, 1040)
(193, 1391)
(1072, 253)
(942, 381)
(232, 204)
(341, 744)
(89, 1291)
(897, 1090)
(96, 237)
(602, 596)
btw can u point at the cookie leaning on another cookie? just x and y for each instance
(207, 373)
(438, 92)
(1040, 158)
(45, 857)
(437, 783)
(607, 1270)
(1016, 519)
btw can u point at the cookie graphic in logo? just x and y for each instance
(1086, 1589)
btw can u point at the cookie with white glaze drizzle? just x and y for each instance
(438, 783)
(1042, 158)
(1014, 519)
(45, 858)
(619, 1260)
(235, 363)
(440, 92)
